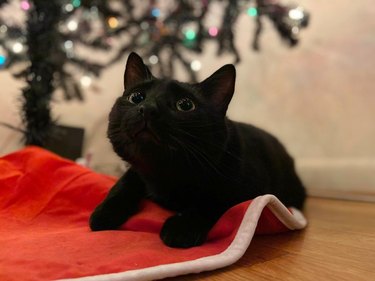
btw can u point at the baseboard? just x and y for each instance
(344, 178)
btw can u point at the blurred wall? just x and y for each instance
(318, 98)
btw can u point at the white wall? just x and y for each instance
(318, 98)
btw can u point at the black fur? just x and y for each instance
(198, 163)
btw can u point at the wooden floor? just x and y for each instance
(338, 244)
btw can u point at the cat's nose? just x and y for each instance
(141, 110)
(147, 111)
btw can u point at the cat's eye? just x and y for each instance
(185, 104)
(136, 97)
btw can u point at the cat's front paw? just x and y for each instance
(102, 220)
(184, 231)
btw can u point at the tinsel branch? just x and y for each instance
(226, 35)
(2, 2)
(41, 40)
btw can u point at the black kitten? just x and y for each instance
(187, 156)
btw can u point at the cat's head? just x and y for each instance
(157, 117)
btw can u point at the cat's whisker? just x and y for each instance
(183, 147)
(198, 125)
(202, 158)
(212, 165)
(211, 144)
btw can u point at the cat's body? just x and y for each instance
(188, 157)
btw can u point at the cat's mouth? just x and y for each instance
(146, 133)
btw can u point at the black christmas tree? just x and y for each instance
(55, 38)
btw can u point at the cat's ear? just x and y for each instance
(219, 87)
(135, 71)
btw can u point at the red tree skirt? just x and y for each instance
(45, 203)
